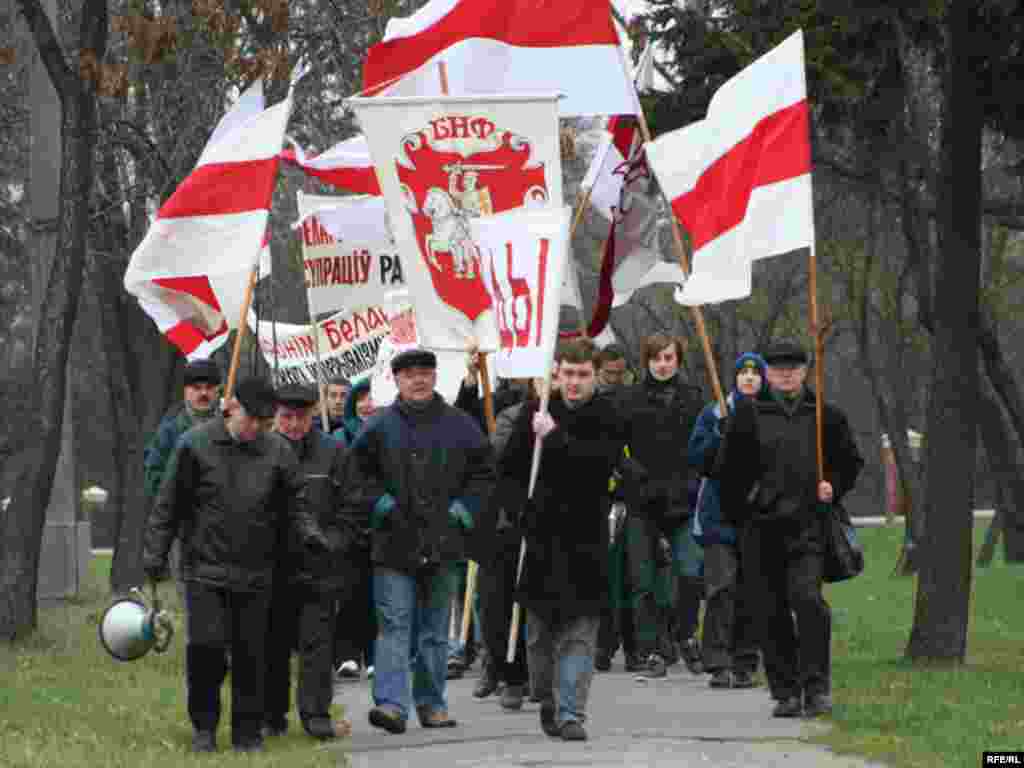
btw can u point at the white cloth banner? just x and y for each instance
(348, 254)
(443, 162)
(525, 254)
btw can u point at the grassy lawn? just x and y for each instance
(910, 716)
(65, 702)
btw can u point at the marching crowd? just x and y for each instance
(346, 543)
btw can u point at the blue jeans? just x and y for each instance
(412, 638)
(561, 660)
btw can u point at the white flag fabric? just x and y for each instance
(506, 46)
(525, 255)
(348, 253)
(739, 181)
(346, 165)
(191, 270)
(442, 163)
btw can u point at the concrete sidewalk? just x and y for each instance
(674, 722)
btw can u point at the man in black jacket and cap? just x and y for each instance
(309, 583)
(231, 490)
(422, 470)
(768, 467)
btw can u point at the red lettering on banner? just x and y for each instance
(358, 320)
(346, 330)
(333, 337)
(306, 343)
(461, 127)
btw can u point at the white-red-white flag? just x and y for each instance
(506, 46)
(191, 270)
(525, 254)
(739, 181)
(346, 165)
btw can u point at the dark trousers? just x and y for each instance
(783, 563)
(728, 640)
(302, 619)
(496, 583)
(220, 620)
(356, 617)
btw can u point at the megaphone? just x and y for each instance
(129, 628)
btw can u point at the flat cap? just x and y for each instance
(784, 352)
(416, 357)
(257, 397)
(202, 370)
(297, 395)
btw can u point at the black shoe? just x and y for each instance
(655, 669)
(321, 728)
(487, 684)
(254, 744)
(456, 669)
(692, 657)
(204, 741)
(572, 731)
(743, 679)
(634, 663)
(387, 718)
(818, 704)
(547, 720)
(788, 707)
(273, 728)
(512, 697)
(721, 678)
(602, 662)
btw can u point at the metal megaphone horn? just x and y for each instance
(129, 628)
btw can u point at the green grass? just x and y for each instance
(909, 716)
(65, 702)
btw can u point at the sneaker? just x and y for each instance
(790, 706)
(204, 741)
(655, 669)
(348, 670)
(512, 697)
(487, 683)
(572, 731)
(818, 704)
(692, 657)
(387, 718)
(721, 678)
(602, 662)
(743, 679)
(547, 720)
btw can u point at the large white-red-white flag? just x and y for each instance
(506, 46)
(443, 162)
(739, 181)
(525, 254)
(346, 165)
(191, 270)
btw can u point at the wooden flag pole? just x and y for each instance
(243, 323)
(819, 328)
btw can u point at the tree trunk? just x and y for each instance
(1002, 461)
(988, 547)
(942, 606)
(21, 538)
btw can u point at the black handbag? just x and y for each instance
(844, 556)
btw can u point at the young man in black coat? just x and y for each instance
(768, 467)
(564, 584)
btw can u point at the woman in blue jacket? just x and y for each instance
(729, 648)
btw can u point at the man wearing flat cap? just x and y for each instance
(768, 468)
(232, 491)
(309, 582)
(202, 380)
(421, 469)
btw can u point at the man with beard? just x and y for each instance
(564, 584)
(230, 491)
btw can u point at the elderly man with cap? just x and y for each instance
(202, 379)
(230, 491)
(308, 583)
(767, 467)
(421, 469)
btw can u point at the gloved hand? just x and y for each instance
(382, 511)
(459, 515)
(155, 570)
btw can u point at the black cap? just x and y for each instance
(297, 395)
(257, 397)
(784, 352)
(413, 358)
(202, 370)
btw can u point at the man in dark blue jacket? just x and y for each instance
(421, 468)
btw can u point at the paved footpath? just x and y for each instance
(674, 722)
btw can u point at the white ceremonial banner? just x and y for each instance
(348, 254)
(443, 162)
(348, 345)
(525, 255)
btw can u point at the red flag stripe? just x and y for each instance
(521, 23)
(778, 148)
(360, 180)
(221, 188)
(187, 337)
